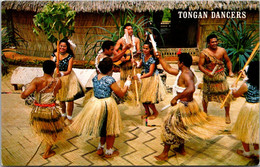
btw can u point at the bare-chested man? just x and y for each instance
(185, 120)
(108, 51)
(126, 67)
(215, 86)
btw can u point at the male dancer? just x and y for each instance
(215, 86)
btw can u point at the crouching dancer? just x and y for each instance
(46, 119)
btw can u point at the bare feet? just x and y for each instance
(180, 150)
(145, 116)
(153, 116)
(161, 157)
(100, 151)
(49, 154)
(228, 121)
(114, 154)
(243, 153)
(70, 121)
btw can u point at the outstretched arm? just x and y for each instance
(240, 91)
(166, 66)
(120, 91)
(117, 56)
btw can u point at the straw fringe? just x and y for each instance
(70, 87)
(152, 90)
(216, 88)
(246, 127)
(126, 70)
(89, 121)
(48, 124)
(189, 122)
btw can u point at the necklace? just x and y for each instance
(63, 53)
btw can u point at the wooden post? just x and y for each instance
(248, 61)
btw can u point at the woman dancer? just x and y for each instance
(45, 117)
(152, 88)
(100, 117)
(71, 88)
(246, 127)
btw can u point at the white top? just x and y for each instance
(177, 89)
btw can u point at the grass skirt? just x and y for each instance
(70, 88)
(90, 120)
(126, 69)
(246, 127)
(188, 122)
(152, 90)
(48, 124)
(216, 88)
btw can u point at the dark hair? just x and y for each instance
(69, 51)
(106, 45)
(105, 65)
(253, 73)
(152, 51)
(210, 37)
(186, 59)
(48, 66)
(127, 24)
(150, 46)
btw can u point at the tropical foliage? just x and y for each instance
(56, 20)
(10, 39)
(239, 39)
(94, 42)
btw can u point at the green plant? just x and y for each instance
(94, 42)
(10, 39)
(238, 39)
(55, 20)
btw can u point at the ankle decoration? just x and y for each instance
(100, 146)
(63, 114)
(109, 151)
(246, 153)
(69, 117)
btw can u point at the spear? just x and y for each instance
(248, 61)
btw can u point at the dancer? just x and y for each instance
(45, 118)
(126, 66)
(215, 86)
(71, 89)
(100, 117)
(107, 50)
(185, 120)
(246, 127)
(152, 88)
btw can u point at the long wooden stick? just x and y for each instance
(136, 90)
(248, 61)
(58, 53)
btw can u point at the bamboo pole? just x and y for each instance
(132, 57)
(248, 61)
(58, 55)
(136, 90)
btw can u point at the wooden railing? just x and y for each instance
(172, 52)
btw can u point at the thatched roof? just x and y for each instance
(137, 5)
